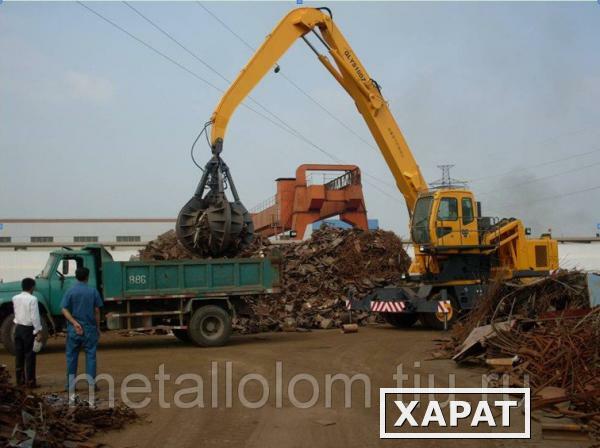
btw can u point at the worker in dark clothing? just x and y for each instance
(81, 307)
(28, 327)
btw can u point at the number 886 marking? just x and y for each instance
(137, 279)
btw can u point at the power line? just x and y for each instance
(240, 38)
(525, 168)
(296, 86)
(193, 54)
(150, 47)
(547, 198)
(537, 179)
(324, 109)
(289, 127)
(291, 130)
(328, 112)
(181, 66)
(187, 70)
(183, 47)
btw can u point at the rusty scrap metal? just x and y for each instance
(29, 419)
(320, 273)
(560, 293)
(317, 276)
(554, 336)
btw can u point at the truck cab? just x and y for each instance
(59, 273)
(57, 276)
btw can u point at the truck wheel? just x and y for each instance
(7, 333)
(210, 326)
(182, 335)
(401, 320)
(436, 321)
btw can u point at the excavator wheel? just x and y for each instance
(437, 321)
(401, 320)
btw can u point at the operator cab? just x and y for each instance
(445, 218)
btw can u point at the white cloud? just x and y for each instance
(89, 87)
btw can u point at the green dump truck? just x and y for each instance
(195, 299)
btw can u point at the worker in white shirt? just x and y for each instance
(28, 327)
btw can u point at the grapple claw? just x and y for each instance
(209, 224)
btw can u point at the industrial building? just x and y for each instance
(80, 231)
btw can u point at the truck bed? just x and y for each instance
(190, 278)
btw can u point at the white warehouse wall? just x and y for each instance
(17, 264)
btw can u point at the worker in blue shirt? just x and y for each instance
(81, 307)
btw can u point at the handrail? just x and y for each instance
(263, 205)
(345, 180)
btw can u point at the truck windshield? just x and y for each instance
(420, 222)
(48, 268)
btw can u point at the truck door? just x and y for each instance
(62, 279)
(63, 276)
(468, 227)
(447, 225)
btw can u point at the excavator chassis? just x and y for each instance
(438, 306)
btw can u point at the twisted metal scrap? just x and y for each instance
(50, 422)
(555, 335)
(504, 300)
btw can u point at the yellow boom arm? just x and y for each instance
(351, 75)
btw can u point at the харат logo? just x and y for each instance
(454, 412)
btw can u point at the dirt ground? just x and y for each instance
(374, 351)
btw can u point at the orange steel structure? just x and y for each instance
(297, 204)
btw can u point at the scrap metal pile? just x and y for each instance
(317, 276)
(542, 335)
(27, 419)
(564, 290)
(320, 273)
(165, 247)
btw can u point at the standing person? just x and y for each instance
(81, 307)
(28, 327)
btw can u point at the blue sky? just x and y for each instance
(93, 124)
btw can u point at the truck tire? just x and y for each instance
(7, 333)
(436, 321)
(210, 326)
(401, 320)
(182, 335)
